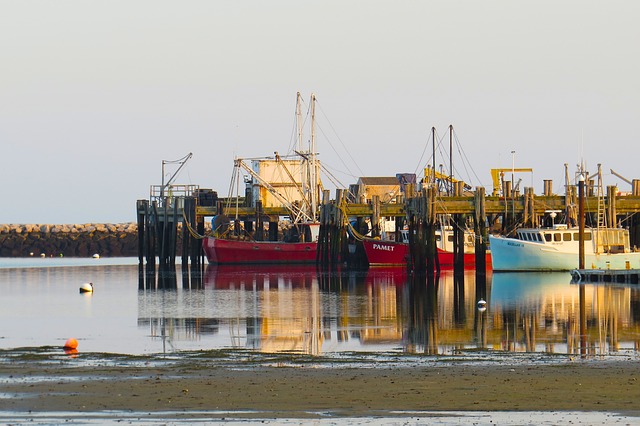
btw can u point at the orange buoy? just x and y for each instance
(71, 344)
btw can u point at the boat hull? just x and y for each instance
(388, 253)
(509, 254)
(221, 251)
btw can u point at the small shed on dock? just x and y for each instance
(386, 187)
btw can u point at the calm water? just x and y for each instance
(299, 310)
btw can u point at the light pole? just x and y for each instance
(513, 190)
(513, 172)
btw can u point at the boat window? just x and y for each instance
(528, 236)
(547, 237)
(566, 236)
(587, 236)
(557, 237)
(449, 237)
(469, 238)
(438, 237)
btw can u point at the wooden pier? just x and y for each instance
(158, 221)
(597, 276)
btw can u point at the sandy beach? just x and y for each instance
(299, 387)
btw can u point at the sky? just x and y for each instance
(94, 95)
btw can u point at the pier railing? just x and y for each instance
(171, 193)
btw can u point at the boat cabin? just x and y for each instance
(607, 240)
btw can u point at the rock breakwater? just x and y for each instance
(79, 240)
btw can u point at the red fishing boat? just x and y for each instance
(279, 181)
(387, 253)
(230, 251)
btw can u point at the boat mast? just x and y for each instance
(451, 159)
(303, 171)
(312, 156)
(433, 137)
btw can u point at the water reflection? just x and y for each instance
(299, 309)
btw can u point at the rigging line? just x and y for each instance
(338, 155)
(420, 162)
(441, 150)
(332, 177)
(192, 231)
(233, 179)
(334, 180)
(327, 167)
(358, 236)
(303, 125)
(466, 161)
(341, 142)
(292, 138)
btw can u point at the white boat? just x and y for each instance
(557, 249)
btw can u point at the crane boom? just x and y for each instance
(621, 177)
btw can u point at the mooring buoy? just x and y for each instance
(482, 305)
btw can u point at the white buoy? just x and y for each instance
(96, 256)
(86, 288)
(482, 305)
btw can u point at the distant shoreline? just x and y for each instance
(77, 240)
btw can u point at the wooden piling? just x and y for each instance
(480, 230)
(375, 217)
(142, 209)
(187, 240)
(322, 251)
(612, 215)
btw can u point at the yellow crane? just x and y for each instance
(429, 174)
(497, 176)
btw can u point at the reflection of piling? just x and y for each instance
(583, 322)
(422, 327)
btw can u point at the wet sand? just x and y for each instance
(303, 390)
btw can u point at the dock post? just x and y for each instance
(334, 246)
(142, 208)
(189, 205)
(375, 218)
(417, 234)
(341, 244)
(322, 254)
(581, 222)
(459, 226)
(259, 234)
(430, 231)
(611, 206)
(152, 244)
(197, 265)
(479, 222)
